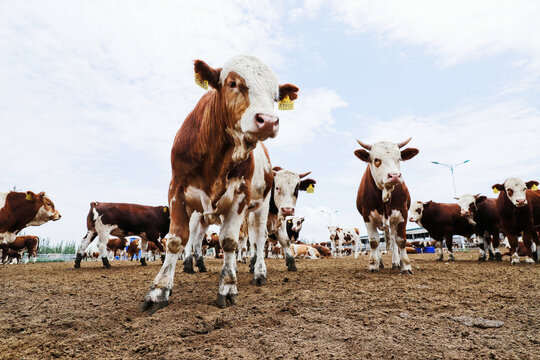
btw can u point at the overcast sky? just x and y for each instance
(92, 94)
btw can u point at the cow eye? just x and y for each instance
(377, 162)
(277, 189)
(510, 192)
(232, 84)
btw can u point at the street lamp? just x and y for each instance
(451, 167)
(329, 215)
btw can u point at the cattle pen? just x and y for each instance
(330, 308)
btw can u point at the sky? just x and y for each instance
(93, 92)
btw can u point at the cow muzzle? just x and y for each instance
(394, 178)
(287, 211)
(521, 202)
(55, 216)
(267, 125)
(465, 213)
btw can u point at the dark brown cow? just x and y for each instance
(323, 250)
(121, 220)
(19, 210)
(133, 249)
(11, 255)
(482, 213)
(383, 200)
(213, 164)
(28, 242)
(519, 214)
(116, 245)
(442, 221)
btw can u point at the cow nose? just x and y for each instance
(464, 213)
(287, 211)
(411, 219)
(521, 201)
(267, 123)
(395, 177)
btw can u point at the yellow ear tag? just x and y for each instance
(286, 104)
(199, 81)
(310, 189)
(165, 209)
(534, 187)
(495, 190)
(28, 196)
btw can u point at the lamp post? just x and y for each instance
(451, 167)
(329, 215)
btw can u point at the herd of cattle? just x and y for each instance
(222, 174)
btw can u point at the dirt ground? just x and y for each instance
(330, 308)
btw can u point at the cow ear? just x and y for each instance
(498, 187)
(362, 155)
(277, 168)
(480, 199)
(42, 194)
(30, 195)
(207, 73)
(289, 90)
(409, 153)
(531, 184)
(304, 184)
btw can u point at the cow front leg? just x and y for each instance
(496, 242)
(401, 243)
(439, 250)
(375, 259)
(527, 241)
(396, 256)
(481, 248)
(90, 235)
(144, 251)
(513, 241)
(102, 247)
(228, 240)
(200, 231)
(450, 247)
(283, 239)
(257, 221)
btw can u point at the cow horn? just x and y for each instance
(304, 174)
(403, 143)
(364, 145)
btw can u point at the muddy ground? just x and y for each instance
(330, 308)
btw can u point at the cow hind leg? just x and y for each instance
(197, 244)
(438, 249)
(481, 248)
(90, 235)
(102, 247)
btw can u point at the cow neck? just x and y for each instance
(379, 194)
(16, 215)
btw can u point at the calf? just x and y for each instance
(481, 212)
(133, 249)
(121, 220)
(304, 251)
(442, 221)
(19, 210)
(383, 199)
(116, 246)
(519, 214)
(294, 225)
(28, 242)
(214, 167)
(340, 236)
(13, 256)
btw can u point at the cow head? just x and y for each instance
(383, 159)
(285, 190)
(334, 232)
(45, 210)
(516, 190)
(416, 211)
(296, 223)
(246, 90)
(469, 204)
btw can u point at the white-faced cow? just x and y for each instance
(344, 236)
(383, 200)
(442, 221)
(482, 213)
(214, 166)
(19, 210)
(519, 214)
(294, 225)
(150, 223)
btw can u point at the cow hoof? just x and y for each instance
(406, 272)
(156, 299)
(498, 257)
(200, 264)
(396, 266)
(291, 265)
(223, 300)
(78, 260)
(440, 259)
(259, 281)
(162, 258)
(451, 259)
(106, 263)
(188, 265)
(252, 262)
(143, 262)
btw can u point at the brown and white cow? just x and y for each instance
(294, 225)
(383, 200)
(116, 246)
(133, 249)
(304, 251)
(442, 221)
(344, 236)
(482, 213)
(28, 242)
(214, 166)
(150, 223)
(519, 214)
(19, 210)
(323, 250)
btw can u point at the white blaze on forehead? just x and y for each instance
(285, 183)
(414, 214)
(518, 187)
(465, 201)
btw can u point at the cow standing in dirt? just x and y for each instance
(150, 223)
(28, 242)
(442, 221)
(383, 200)
(19, 210)
(482, 214)
(214, 166)
(519, 214)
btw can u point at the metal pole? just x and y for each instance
(453, 181)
